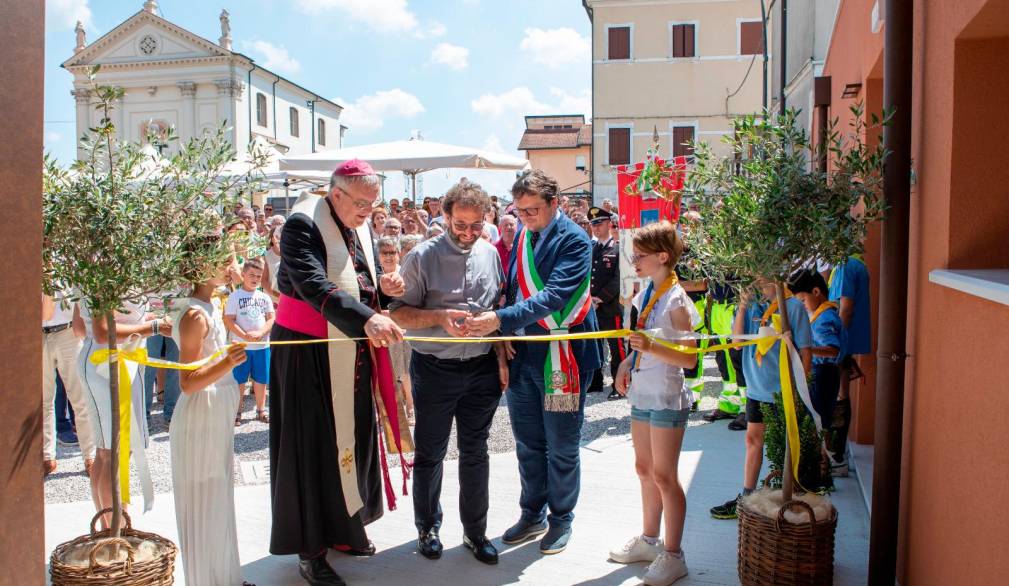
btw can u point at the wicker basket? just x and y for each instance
(129, 572)
(775, 551)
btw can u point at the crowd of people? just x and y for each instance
(343, 264)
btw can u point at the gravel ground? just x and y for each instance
(602, 418)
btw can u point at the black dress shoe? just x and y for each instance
(739, 423)
(429, 545)
(483, 550)
(361, 552)
(318, 572)
(716, 415)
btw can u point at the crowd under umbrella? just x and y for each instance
(411, 157)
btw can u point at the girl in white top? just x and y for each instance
(132, 325)
(652, 377)
(202, 440)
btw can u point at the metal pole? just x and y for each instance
(897, 56)
(763, 21)
(784, 55)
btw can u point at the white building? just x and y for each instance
(173, 77)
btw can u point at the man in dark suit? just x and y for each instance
(547, 291)
(606, 291)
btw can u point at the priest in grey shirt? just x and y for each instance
(449, 278)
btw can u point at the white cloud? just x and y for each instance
(370, 112)
(516, 101)
(381, 15)
(431, 30)
(64, 14)
(53, 137)
(452, 56)
(580, 103)
(385, 16)
(556, 47)
(277, 57)
(521, 101)
(492, 144)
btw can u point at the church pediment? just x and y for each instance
(143, 38)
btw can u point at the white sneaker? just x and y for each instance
(636, 550)
(666, 569)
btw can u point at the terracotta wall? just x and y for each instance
(959, 219)
(22, 547)
(954, 446)
(856, 56)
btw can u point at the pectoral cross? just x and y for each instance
(347, 460)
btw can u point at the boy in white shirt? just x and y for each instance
(249, 316)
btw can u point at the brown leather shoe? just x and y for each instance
(49, 466)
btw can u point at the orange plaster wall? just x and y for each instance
(855, 56)
(560, 164)
(959, 219)
(955, 452)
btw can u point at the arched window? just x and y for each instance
(322, 132)
(294, 121)
(261, 109)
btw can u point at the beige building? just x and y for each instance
(561, 145)
(684, 68)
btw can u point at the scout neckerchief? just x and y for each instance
(833, 271)
(771, 316)
(648, 302)
(820, 310)
(560, 372)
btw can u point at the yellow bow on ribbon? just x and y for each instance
(120, 356)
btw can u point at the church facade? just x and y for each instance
(175, 78)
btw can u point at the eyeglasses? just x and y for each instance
(462, 227)
(636, 258)
(360, 203)
(388, 252)
(530, 212)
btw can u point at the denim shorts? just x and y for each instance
(666, 418)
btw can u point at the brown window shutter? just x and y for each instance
(683, 40)
(619, 43)
(620, 146)
(681, 136)
(751, 38)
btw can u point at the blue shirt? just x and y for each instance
(827, 331)
(763, 380)
(851, 279)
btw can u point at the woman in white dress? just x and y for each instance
(132, 326)
(202, 440)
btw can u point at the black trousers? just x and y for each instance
(468, 391)
(617, 349)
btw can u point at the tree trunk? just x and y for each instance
(787, 479)
(117, 502)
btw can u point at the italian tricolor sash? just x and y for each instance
(560, 372)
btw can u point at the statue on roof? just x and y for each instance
(81, 41)
(225, 40)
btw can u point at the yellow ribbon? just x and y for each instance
(125, 407)
(140, 356)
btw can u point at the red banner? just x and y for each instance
(638, 210)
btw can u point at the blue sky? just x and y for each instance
(460, 71)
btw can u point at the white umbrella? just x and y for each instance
(409, 156)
